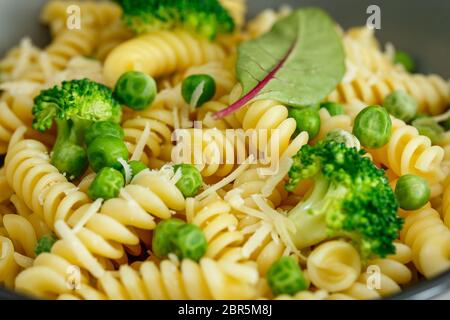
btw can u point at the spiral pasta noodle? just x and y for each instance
(429, 239)
(19, 60)
(92, 14)
(160, 53)
(219, 224)
(207, 279)
(430, 91)
(110, 225)
(213, 151)
(334, 266)
(409, 152)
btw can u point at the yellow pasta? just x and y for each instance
(213, 215)
(207, 279)
(110, 225)
(429, 239)
(408, 152)
(160, 53)
(334, 266)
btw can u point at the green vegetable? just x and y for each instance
(373, 127)
(429, 128)
(299, 62)
(286, 277)
(135, 166)
(345, 137)
(206, 17)
(307, 119)
(401, 105)
(446, 124)
(163, 235)
(351, 198)
(405, 60)
(74, 106)
(198, 89)
(334, 109)
(106, 185)
(191, 180)
(106, 152)
(136, 90)
(45, 244)
(412, 192)
(190, 242)
(103, 129)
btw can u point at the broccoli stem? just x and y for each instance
(310, 214)
(69, 155)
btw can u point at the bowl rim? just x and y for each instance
(422, 290)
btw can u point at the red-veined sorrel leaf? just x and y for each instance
(299, 62)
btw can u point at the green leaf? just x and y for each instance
(299, 62)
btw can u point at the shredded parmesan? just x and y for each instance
(70, 191)
(93, 209)
(256, 239)
(81, 253)
(174, 259)
(274, 180)
(282, 224)
(176, 119)
(23, 261)
(126, 169)
(137, 154)
(196, 95)
(176, 177)
(227, 180)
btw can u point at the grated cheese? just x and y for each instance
(127, 169)
(282, 224)
(176, 177)
(227, 180)
(196, 95)
(274, 180)
(176, 119)
(79, 250)
(256, 240)
(93, 209)
(137, 154)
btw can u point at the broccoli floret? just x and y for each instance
(207, 17)
(74, 106)
(351, 198)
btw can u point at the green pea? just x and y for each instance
(198, 82)
(334, 109)
(405, 60)
(286, 277)
(163, 235)
(105, 152)
(136, 90)
(307, 119)
(190, 242)
(345, 137)
(412, 192)
(103, 129)
(71, 160)
(401, 105)
(135, 166)
(429, 128)
(191, 180)
(45, 244)
(373, 127)
(446, 124)
(106, 185)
